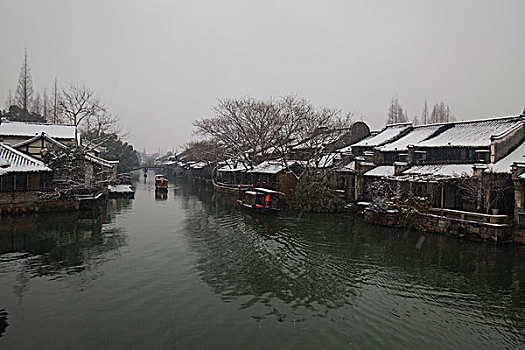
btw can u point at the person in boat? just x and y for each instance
(268, 201)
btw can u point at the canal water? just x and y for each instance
(192, 271)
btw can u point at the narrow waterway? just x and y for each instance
(192, 271)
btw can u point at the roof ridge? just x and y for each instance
(21, 154)
(34, 123)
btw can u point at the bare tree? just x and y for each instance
(99, 128)
(488, 191)
(24, 90)
(255, 130)
(203, 150)
(56, 100)
(424, 115)
(10, 100)
(396, 113)
(245, 126)
(37, 104)
(78, 104)
(441, 114)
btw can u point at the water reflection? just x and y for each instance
(160, 195)
(3, 321)
(293, 269)
(60, 243)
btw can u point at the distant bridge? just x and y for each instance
(150, 167)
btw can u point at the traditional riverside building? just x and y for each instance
(469, 174)
(389, 134)
(22, 177)
(232, 173)
(397, 151)
(469, 142)
(96, 169)
(441, 153)
(277, 175)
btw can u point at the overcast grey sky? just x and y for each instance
(162, 64)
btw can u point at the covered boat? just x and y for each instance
(161, 183)
(261, 200)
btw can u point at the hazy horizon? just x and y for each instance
(159, 65)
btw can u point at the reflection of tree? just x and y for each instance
(262, 258)
(318, 263)
(59, 244)
(3, 321)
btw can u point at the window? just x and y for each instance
(6, 183)
(21, 182)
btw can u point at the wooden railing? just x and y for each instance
(472, 216)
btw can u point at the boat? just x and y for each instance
(261, 200)
(121, 191)
(161, 183)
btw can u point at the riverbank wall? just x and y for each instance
(16, 203)
(493, 228)
(38, 206)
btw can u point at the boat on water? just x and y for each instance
(261, 200)
(121, 191)
(161, 183)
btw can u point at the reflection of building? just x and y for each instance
(62, 241)
(3, 321)
(290, 268)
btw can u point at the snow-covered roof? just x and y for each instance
(267, 190)
(382, 170)
(101, 161)
(475, 133)
(418, 134)
(230, 168)
(42, 135)
(326, 160)
(199, 165)
(18, 162)
(57, 131)
(120, 188)
(346, 149)
(89, 156)
(348, 168)
(504, 164)
(389, 133)
(271, 166)
(441, 170)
